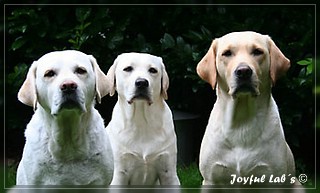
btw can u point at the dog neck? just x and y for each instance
(243, 109)
(140, 113)
(67, 133)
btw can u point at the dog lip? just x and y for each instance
(244, 87)
(140, 96)
(70, 101)
(70, 104)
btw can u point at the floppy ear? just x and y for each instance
(206, 68)
(27, 93)
(102, 87)
(164, 81)
(279, 64)
(111, 78)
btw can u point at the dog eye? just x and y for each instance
(153, 70)
(80, 70)
(49, 73)
(227, 53)
(257, 52)
(128, 69)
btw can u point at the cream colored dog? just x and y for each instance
(141, 129)
(66, 141)
(244, 135)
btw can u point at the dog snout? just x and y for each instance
(68, 86)
(243, 72)
(141, 83)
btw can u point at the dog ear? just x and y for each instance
(111, 78)
(206, 68)
(102, 87)
(28, 93)
(279, 64)
(164, 81)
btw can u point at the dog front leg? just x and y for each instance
(120, 177)
(167, 170)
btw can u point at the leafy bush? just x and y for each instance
(181, 35)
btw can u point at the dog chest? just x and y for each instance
(45, 170)
(143, 169)
(241, 162)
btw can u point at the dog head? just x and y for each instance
(243, 63)
(138, 76)
(63, 80)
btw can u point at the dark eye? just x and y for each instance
(227, 53)
(153, 70)
(128, 69)
(257, 52)
(49, 73)
(80, 70)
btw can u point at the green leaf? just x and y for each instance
(72, 41)
(86, 25)
(309, 69)
(180, 41)
(82, 14)
(19, 73)
(305, 62)
(316, 90)
(42, 32)
(117, 38)
(24, 28)
(206, 32)
(18, 43)
(195, 88)
(195, 36)
(64, 34)
(83, 38)
(167, 41)
(308, 63)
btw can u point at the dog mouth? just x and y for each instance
(245, 81)
(68, 102)
(143, 96)
(245, 88)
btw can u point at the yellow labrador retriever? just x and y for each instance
(244, 138)
(141, 129)
(66, 141)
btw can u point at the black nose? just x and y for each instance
(142, 83)
(68, 86)
(243, 71)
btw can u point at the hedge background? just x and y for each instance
(181, 35)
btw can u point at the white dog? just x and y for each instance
(244, 136)
(66, 141)
(141, 130)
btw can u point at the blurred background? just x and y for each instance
(181, 35)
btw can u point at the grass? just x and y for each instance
(189, 175)
(9, 175)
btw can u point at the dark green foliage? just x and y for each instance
(181, 35)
